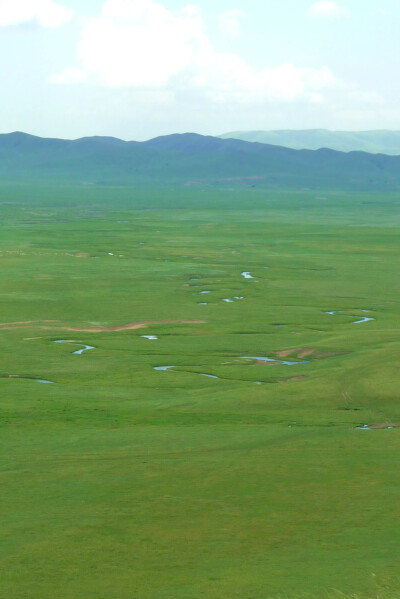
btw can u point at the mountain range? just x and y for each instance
(375, 142)
(190, 159)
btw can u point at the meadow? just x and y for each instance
(120, 481)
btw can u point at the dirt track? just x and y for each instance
(123, 327)
(132, 326)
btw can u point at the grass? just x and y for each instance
(195, 160)
(120, 481)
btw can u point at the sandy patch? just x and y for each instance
(302, 352)
(22, 323)
(264, 363)
(131, 326)
(288, 352)
(305, 352)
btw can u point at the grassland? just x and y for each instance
(190, 159)
(119, 481)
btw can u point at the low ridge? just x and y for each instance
(191, 159)
(375, 142)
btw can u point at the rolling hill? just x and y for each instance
(191, 159)
(381, 141)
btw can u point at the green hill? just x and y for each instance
(375, 142)
(191, 159)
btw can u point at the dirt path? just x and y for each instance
(22, 324)
(131, 326)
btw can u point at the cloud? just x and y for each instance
(141, 45)
(45, 13)
(229, 79)
(229, 22)
(328, 10)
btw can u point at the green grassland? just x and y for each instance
(192, 160)
(123, 482)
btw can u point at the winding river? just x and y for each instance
(78, 352)
(361, 320)
(267, 360)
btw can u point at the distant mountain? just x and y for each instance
(375, 142)
(190, 159)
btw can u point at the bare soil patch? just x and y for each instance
(123, 327)
(264, 363)
(22, 323)
(131, 326)
(305, 352)
(288, 352)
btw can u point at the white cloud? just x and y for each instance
(139, 44)
(45, 13)
(227, 78)
(328, 10)
(70, 75)
(230, 22)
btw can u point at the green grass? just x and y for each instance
(193, 160)
(122, 482)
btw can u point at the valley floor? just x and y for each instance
(197, 432)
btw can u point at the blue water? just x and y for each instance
(164, 368)
(285, 362)
(362, 319)
(78, 352)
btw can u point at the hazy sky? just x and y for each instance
(140, 68)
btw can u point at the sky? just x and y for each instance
(136, 69)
